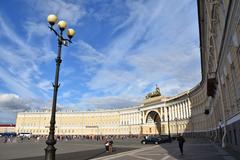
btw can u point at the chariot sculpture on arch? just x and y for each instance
(154, 93)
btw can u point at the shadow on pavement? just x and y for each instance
(194, 149)
(82, 155)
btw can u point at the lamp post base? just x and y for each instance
(50, 152)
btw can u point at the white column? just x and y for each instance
(131, 118)
(189, 108)
(165, 113)
(170, 112)
(183, 110)
(120, 119)
(186, 107)
(125, 118)
(161, 114)
(183, 114)
(135, 118)
(175, 111)
(135, 122)
(178, 113)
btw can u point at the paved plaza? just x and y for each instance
(72, 149)
(129, 149)
(169, 151)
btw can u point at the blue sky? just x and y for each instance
(120, 51)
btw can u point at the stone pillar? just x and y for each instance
(175, 111)
(186, 107)
(189, 108)
(184, 110)
(181, 110)
(170, 112)
(178, 111)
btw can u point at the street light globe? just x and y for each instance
(62, 25)
(70, 33)
(52, 19)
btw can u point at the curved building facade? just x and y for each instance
(211, 109)
(151, 117)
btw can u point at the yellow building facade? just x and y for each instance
(7, 128)
(151, 117)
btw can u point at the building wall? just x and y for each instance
(219, 39)
(127, 121)
(7, 128)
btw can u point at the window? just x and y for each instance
(230, 136)
(235, 136)
(227, 138)
(234, 78)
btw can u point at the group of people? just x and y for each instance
(8, 139)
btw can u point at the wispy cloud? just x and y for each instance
(69, 11)
(45, 85)
(20, 61)
(121, 50)
(88, 54)
(36, 29)
(151, 47)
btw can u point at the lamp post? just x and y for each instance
(52, 19)
(169, 136)
(220, 129)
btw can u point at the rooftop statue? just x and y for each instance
(154, 93)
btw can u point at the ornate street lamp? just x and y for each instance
(52, 19)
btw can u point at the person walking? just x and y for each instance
(107, 145)
(181, 141)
